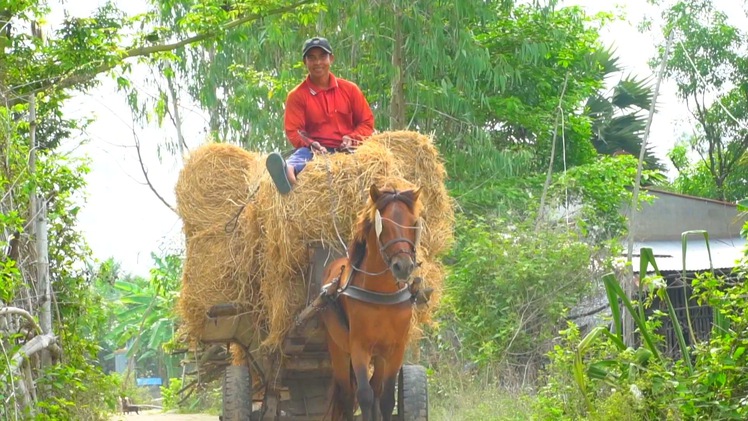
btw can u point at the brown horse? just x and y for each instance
(369, 321)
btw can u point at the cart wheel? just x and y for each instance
(412, 394)
(237, 394)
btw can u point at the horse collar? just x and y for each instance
(384, 298)
(400, 296)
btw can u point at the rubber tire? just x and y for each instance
(412, 394)
(237, 394)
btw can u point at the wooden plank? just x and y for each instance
(226, 309)
(228, 329)
(308, 363)
(309, 397)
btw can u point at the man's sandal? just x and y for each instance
(276, 166)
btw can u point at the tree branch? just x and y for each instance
(67, 81)
(145, 173)
(23, 313)
(549, 174)
(38, 343)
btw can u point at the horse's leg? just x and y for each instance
(360, 359)
(342, 394)
(343, 402)
(391, 370)
(376, 385)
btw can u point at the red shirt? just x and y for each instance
(326, 115)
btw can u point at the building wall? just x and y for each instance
(671, 214)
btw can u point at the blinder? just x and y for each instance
(378, 228)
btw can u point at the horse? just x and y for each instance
(369, 320)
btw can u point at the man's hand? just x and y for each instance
(349, 143)
(317, 148)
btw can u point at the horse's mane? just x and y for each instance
(357, 248)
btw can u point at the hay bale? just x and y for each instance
(216, 181)
(324, 206)
(216, 270)
(277, 229)
(418, 161)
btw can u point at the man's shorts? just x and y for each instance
(301, 156)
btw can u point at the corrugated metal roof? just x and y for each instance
(668, 254)
(686, 196)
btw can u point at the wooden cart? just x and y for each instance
(294, 385)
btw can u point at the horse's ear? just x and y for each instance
(374, 193)
(416, 193)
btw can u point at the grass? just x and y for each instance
(459, 397)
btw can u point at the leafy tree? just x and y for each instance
(539, 56)
(86, 47)
(32, 66)
(461, 69)
(71, 378)
(708, 66)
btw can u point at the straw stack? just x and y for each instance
(260, 261)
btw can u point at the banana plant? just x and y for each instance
(607, 370)
(146, 321)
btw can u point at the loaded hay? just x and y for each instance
(276, 230)
(216, 181)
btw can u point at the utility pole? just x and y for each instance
(629, 288)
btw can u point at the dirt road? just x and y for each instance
(157, 415)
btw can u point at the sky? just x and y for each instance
(122, 218)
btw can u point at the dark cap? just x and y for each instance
(315, 42)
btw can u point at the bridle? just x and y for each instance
(405, 293)
(378, 228)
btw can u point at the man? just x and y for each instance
(324, 114)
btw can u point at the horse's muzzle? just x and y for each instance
(402, 267)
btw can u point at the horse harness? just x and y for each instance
(411, 291)
(330, 293)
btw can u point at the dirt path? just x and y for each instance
(157, 415)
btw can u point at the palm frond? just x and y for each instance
(608, 60)
(632, 92)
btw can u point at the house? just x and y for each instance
(660, 225)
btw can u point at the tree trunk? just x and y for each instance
(39, 215)
(182, 145)
(397, 102)
(549, 174)
(5, 33)
(42, 272)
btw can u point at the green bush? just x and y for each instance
(76, 391)
(206, 398)
(509, 286)
(718, 387)
(597, 378)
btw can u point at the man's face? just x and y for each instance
(318, 62)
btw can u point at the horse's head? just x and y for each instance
(397, 227)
